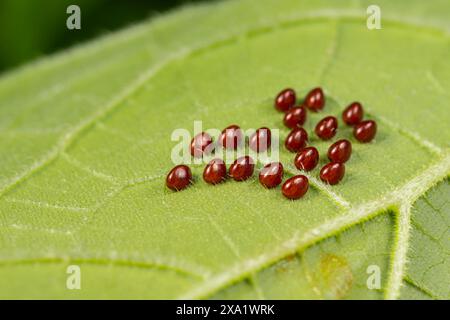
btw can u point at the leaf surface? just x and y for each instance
(86, 145)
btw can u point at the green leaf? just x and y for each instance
(86, 145)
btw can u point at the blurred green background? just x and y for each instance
(32, 28)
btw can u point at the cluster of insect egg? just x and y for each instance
(306, 159)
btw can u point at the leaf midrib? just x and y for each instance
(405, 195)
